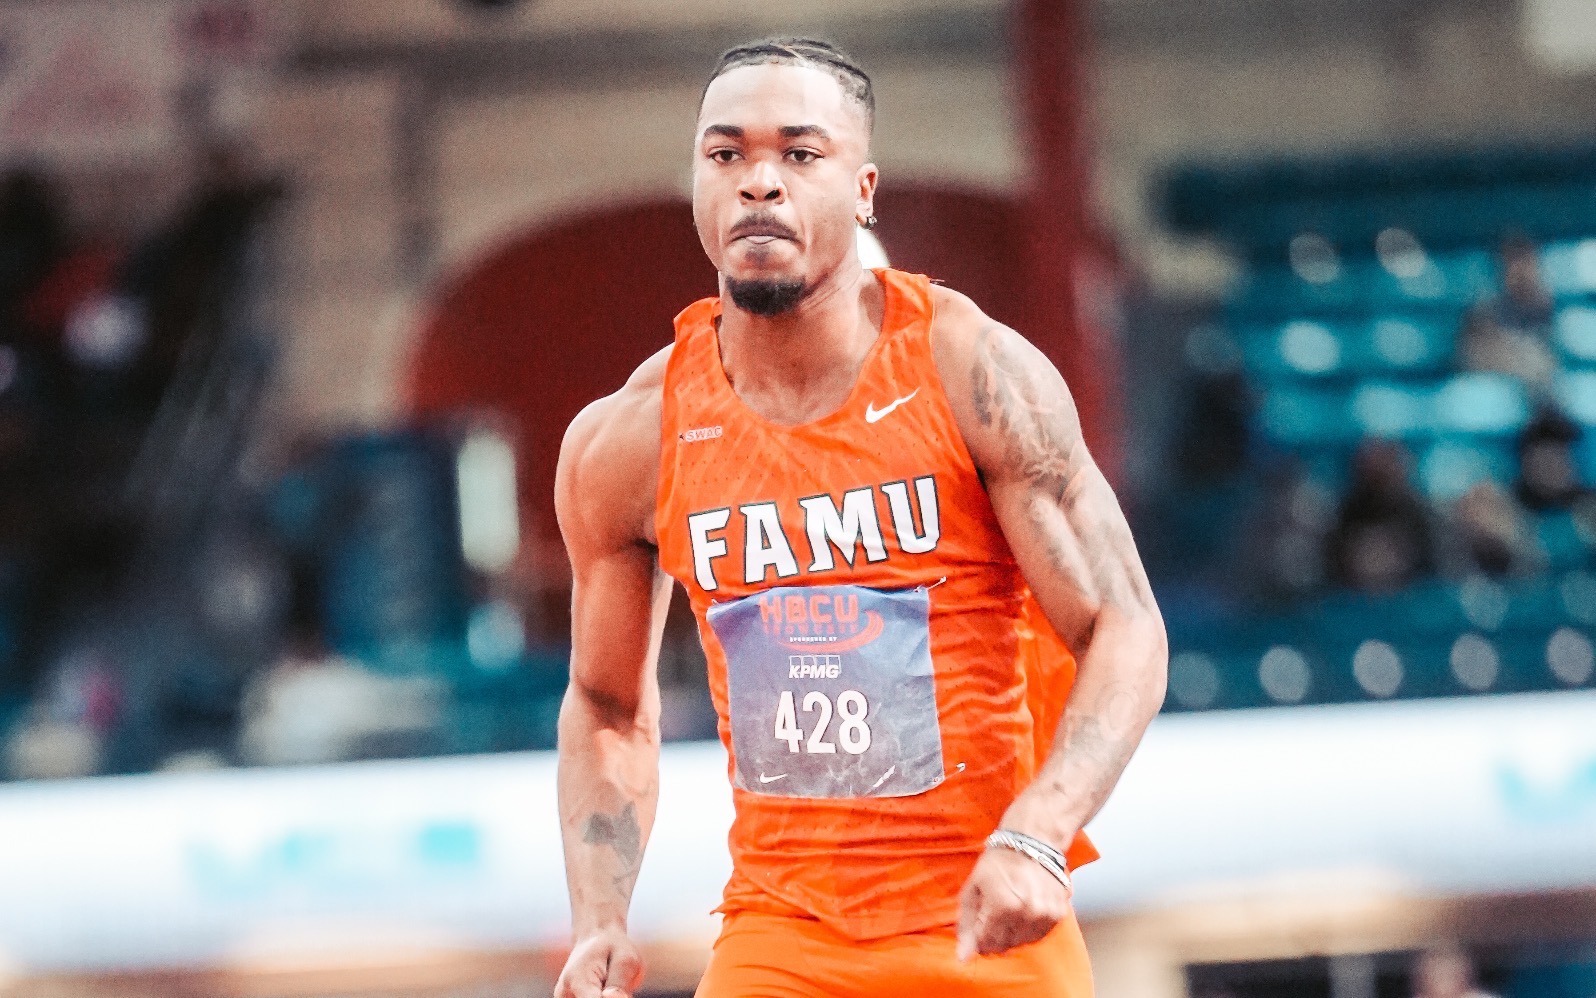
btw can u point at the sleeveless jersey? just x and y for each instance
(885, 683)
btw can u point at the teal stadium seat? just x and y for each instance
(1570, 268)
(1481, 404)
(1449, 468)
(1466, 405)
(1575, 335)
(1304, 348)
(1523, 663)
(1307, 417)
(1585, 459)
(1397, 344)
(1277, 292)
(1534, 606)
(1561, 539)
(1239, 687)
(1576, 393)
(1574, 980)
(1328, 468)
(1392, 411)
(1311, 348)
(1390, 345)
(1427, 669)
(1452, 281)
(1430, 607)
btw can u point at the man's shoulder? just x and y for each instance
(609, 460)
(627, 416)
(958, 325)
(961, 334)
(957, 321)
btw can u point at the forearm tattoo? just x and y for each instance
(623, 834)
(1097, 746)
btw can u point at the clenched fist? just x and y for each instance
(604, 965)
(1008, 901)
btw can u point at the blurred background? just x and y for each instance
(296, 300)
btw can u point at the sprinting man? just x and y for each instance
(880, 504)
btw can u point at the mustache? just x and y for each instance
(762, 223)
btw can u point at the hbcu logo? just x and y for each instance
(819, 621)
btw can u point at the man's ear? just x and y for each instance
(865, 197)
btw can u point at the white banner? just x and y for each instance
(354, 862)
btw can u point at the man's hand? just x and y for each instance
(604, 965)
(1008, 901)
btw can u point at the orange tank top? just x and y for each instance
(886, 685)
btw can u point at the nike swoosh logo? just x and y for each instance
(872, 414)
(771, 779)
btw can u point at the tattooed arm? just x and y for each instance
(609, 722)
(1075, 549)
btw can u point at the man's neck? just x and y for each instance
(801, 365)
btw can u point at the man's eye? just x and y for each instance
(803, 155)
(723, 155)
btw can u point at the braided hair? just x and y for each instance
(810, 52)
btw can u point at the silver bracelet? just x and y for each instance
(1040, 852)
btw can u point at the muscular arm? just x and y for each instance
(609, 721)
(1075, 549)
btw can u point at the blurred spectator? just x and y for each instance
(82, 273)
(1284, 543)
(65, 732)
(1487, 346)
(93, 332)
(31, 239)
(1525, 303)
(47, 748)
(1212, 442)
(1510, 333)
(317, 706)
(1382, 537)
(186, 272)
(1548, 473)
(1445, 972)
(1492, 535)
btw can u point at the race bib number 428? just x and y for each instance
(831, 691)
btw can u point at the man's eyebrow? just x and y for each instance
(804, 131)
(724, 131)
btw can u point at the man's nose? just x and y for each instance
(763, 183)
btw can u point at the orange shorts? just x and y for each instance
(774, 956)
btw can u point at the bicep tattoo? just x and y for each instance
(1022, 400)
(1035, 421)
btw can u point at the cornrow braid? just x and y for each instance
(810, 52)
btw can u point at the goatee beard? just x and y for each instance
(765, 298)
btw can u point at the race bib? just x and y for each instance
(831, 691)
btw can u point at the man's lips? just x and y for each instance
(762, 231)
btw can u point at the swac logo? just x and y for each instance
(819, 621)
(701, 433)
